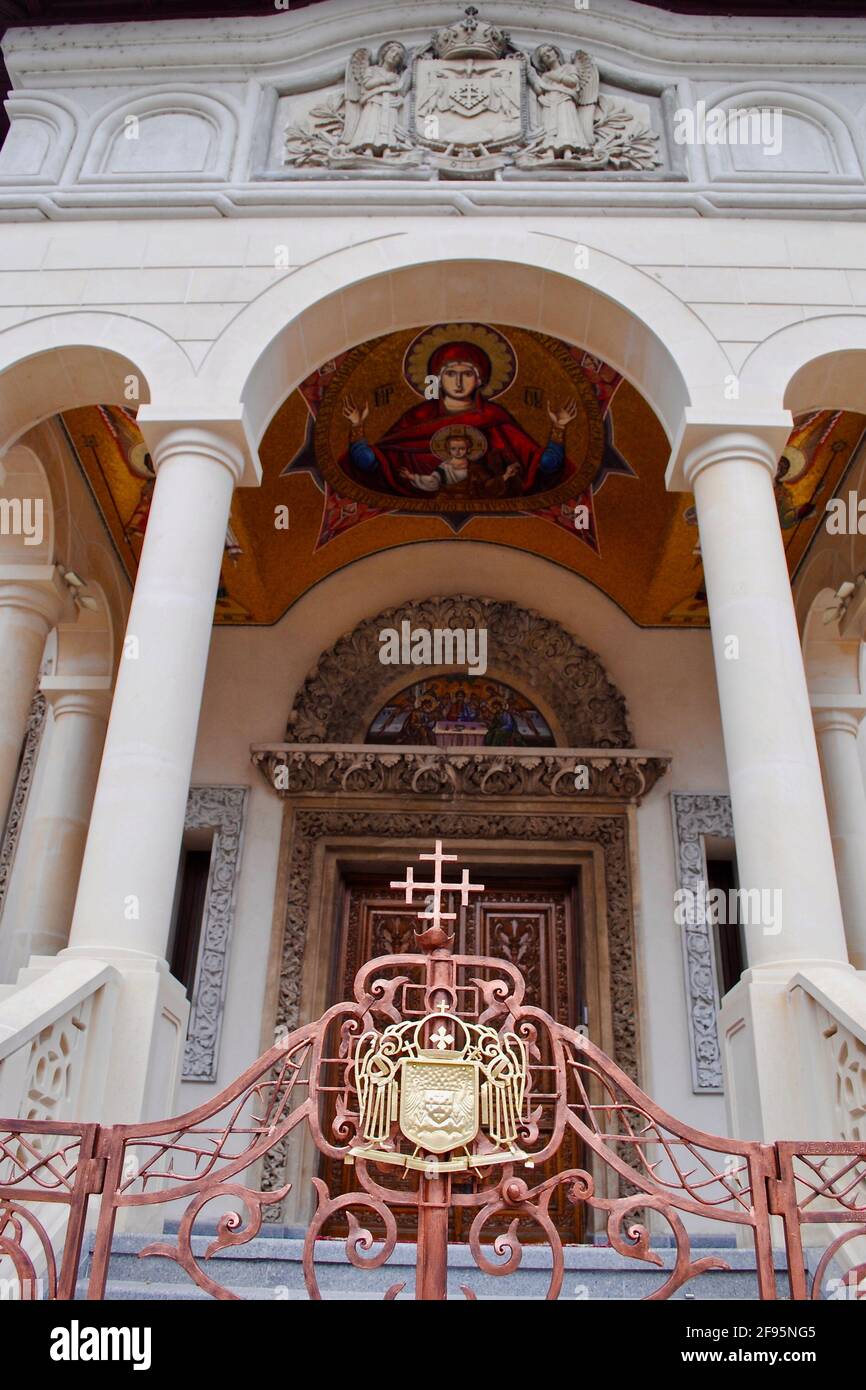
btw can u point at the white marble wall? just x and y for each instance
(189, 116)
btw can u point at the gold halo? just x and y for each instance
(475, 437)
(797, 464)
(503, 362)
(138, 461)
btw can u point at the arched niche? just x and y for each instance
(168, 134)
(539, 658)
(808, 138)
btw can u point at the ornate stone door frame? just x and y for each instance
(220, 810)
(530, 815)
(696, 815)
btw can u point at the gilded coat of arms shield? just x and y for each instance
(439, 1102)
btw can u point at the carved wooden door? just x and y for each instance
(532, 924)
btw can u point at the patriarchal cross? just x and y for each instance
(433, 912)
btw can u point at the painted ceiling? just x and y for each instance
(466, 431)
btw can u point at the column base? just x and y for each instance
(762, 1051)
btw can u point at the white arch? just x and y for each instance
(819, 362)
(833, 663)
(85, 645)
(26, 488)
(60, 361)
(480, 272)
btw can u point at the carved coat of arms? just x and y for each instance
(469, 104)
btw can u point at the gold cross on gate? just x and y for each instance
(433, 911)
(442, 1039)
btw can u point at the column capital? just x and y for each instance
(701, 442)
(844, 713)
(37, 589)
(225, 441)
(89, 695)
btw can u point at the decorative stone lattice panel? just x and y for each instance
(52, 1082)
(695, 816)
(848, 1058)
(221, 809)
(349, 680)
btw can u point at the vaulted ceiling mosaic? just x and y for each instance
(466, 431)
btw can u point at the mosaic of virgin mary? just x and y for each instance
(474, 441)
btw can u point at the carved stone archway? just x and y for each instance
(349, 685)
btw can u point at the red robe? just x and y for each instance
(407, 445)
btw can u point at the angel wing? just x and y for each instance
(376, 1083)
(356, 71)
(504, 1090)
(588, 78)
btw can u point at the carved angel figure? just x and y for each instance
(567, 98)
(375, 93)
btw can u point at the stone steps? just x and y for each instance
(270, 1268)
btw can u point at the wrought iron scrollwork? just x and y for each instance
(441, 1090)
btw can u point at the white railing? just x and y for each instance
(831, 1025)
(55, 1043)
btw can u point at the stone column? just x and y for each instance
(780, 820)
(55, 845)
(836, 725)
(777, 798)
(32, 599)
(128, 877)
(123, 909)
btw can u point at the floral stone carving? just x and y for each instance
(349, 682)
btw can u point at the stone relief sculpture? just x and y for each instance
(366, 125)
(468, 105)
(375, 96)
(567, 97)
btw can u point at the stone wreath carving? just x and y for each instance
(222, 810)
(349, 681)
(610, 832)
(694, 817)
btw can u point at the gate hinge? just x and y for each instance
(94, 1174)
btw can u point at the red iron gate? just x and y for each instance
(446, 1091)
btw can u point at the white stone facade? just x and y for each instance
(191, 270)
